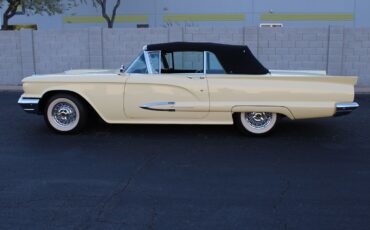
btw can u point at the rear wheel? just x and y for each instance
(65, 113)
(255, 123)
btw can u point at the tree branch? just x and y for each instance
(10, 12)
(14, 9)
(115, 10)
(103, 5)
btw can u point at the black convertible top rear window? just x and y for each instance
(235, 59)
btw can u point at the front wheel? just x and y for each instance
(65, 113)
(255, 123)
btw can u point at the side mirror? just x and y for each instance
(122, 69)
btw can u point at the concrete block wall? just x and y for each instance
(27, 52)
(121, 46)
(95, 46)
(335, 51)
(10, 58)
(356, 54)
(338, 50)
(59, 50)
(293, 48)
(216, 34)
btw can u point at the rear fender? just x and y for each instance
(270, 109)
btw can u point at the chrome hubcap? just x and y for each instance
(64, 114)
(258, 120)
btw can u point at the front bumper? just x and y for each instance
(30, 105)
(345, 108)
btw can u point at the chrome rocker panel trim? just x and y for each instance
(345, 108)
(160, 106)
(30, 105)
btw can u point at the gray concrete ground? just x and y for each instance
(311, 174)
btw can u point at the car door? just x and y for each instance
(160, 95)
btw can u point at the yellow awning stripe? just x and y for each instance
(306, 17)
(203, 17)
(99, 19)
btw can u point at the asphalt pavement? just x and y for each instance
(309, 174)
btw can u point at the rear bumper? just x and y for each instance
(30, 105)
(345, 108)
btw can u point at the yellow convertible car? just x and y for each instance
(188, 83)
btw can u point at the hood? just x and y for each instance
(91, 71)
(78, 75)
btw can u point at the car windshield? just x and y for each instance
(138, 66)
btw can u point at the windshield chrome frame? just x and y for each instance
(205, 62)
(147, 61)
(149, 64)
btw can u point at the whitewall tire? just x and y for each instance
(255, 123)
(65, 113)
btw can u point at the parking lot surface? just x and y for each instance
(309, 174)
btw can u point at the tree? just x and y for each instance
(103, 5)
(50, 7)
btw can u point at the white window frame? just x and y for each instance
(205, 62)
(149, 64)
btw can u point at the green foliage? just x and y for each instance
(49, 7)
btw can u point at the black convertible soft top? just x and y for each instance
(235, 59)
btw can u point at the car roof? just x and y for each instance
(189, 46)
(235, 59)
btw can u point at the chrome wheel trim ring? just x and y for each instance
(258, 122)
(63, 114)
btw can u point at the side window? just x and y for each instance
(183, 62)
(154, 59)
(138, 66)
(189, 62)
(213, 65)
(169, 60)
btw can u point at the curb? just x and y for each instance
(10, 88)
(362, 90)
